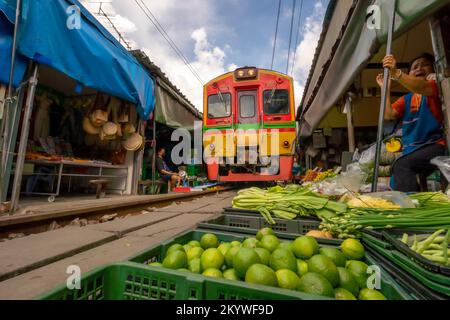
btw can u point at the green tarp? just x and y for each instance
(358, 44)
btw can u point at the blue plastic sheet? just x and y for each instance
(89, 54)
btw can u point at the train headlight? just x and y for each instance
(286, 144)
(246, 73)
(212, 146)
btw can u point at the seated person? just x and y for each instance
(164, 170)
(422, 121)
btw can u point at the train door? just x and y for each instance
(247, 124)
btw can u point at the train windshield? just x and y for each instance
(219, 106)
(276, 102)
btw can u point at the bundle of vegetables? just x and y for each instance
(351, 223)
(286, 203)
(431, 199)
(434, 248)
(324, 175)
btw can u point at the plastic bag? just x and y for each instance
(443, 163)
(368, 156)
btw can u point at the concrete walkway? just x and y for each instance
(35, 264)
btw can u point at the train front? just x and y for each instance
(249, 126)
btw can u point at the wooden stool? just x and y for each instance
(100, 184)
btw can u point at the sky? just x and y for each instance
(217, 36)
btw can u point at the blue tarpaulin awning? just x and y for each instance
(88, 54)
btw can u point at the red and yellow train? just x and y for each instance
(249, 126)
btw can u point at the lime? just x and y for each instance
(155, 264)
(342, 294)
(250, 243)
(243, 259)
(358, 269)
(223, 247)
(261, 274)
(285, 245)
(230, 274)
(175, 247)
(283, 259)
(194, 243)
(305, 247)
(212, 258)
(213, 272)
(323, 265)
(371, 294)
(317, 284)
(183, 270)
(209, 240)
(287, 279)
(269, 242)
(347, 281)
(352, 249)
(186, 247)
(194, 252)
(175, 260)
(334, 254)
(264, 232)
(302, 267)
(195, 265)
(264, 255)
(229, 256)
(235, 243)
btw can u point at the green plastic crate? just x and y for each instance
(137, 281)
(390, 288)
(251, 225)
(436, 282)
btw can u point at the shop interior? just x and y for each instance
(329, 145)
(79, 138)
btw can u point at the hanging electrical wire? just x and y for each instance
(146, 10)
(276, 34)
(296, 38)
(290, 35)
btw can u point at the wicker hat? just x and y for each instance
(99, 117)
(134, 142)
(109, 131)
(89, 128)
(128, 128)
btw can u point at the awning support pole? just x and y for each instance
(5, 123)
(384, 94)
(154, 152)
(350, 126)
(24, 139)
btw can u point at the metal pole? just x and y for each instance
(4, 129)
(384, 94)
(350, 126)
(154, 152)
(24, 140)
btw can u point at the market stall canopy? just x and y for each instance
(353, 50)
(170, 111)
(89, 54)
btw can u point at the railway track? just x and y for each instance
(23, 225)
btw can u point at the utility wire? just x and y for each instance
(276, 33)
(290, 34)
(296, 38)
(145, 9)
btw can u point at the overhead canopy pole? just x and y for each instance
(384, 94)
(5, 123)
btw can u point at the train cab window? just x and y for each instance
(219, 107)
(276, 102)
(247, 106)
